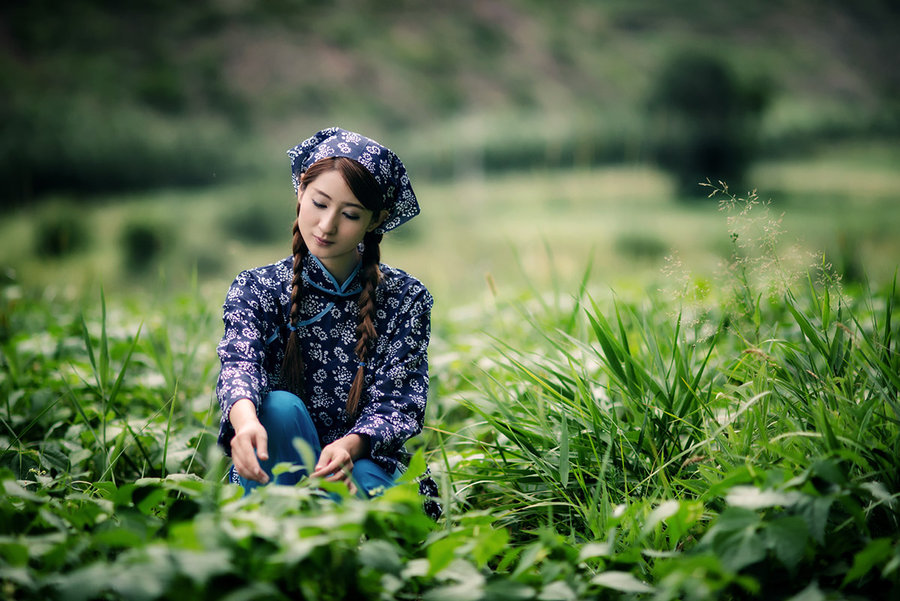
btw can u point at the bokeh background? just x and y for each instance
(142, 143)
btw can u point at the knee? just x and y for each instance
(370, 477)
(280, 406)
(281, 409)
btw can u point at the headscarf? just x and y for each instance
(387, 169)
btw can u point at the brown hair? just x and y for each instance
(368, 193)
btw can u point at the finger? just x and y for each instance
(262, 445)
(248, 467)
(326, 463)
(326, 470)
(259, 474)
(341, 473)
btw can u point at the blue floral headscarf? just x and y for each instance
(399, 198)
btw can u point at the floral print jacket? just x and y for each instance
(396, 382)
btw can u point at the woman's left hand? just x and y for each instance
(336, 460)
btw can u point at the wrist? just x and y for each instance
(355, 444)
(243, 411)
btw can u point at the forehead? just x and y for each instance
(332, 185)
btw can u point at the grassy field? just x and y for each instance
(634, 395)
(533, 229)
(719, 424)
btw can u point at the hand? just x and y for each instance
(250, 442)
(336, 460)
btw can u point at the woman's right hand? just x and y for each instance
(250, 442)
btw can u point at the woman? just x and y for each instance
(330, 345)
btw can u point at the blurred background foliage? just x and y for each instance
(181, 111)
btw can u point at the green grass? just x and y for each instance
(623, 220)
(673, 447)
(703, 433)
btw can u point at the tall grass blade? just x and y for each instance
(114, 393)
(163, 468)
(564, 450)
(104, 347)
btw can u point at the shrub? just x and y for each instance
(640, 245)
(703, 120)
(62, 233)
(256, 222)
(142, 244)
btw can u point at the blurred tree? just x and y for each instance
(704, 121)
(97, 96)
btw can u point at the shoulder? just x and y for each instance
(266, 280)
(267, 275)
(397, 285)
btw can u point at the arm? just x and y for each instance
(395, 409)
(250, 441)
(336, 460)
(248, 315)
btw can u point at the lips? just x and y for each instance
(322, 241)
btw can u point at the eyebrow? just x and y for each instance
(326, 195)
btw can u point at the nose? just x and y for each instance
(328, 223)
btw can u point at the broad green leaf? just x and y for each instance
(875, 553)
(488, 543)
(13, 489)
(750, 497)
(533, 554)
(117, 538)
(591, 550)
(415, 568)
(621, 581)
(295, 550)
(83, 583)
(787, 536)
(381, 556)
(456, 592)
(286, 467)
(307, 455)
(678, 524)
(16, 575)
(815, 511)
(557, 591)
(810, 593)
(507, 590)
(441, 553)
(661, 512)
(13, 552)
(201, 566)
(735, 538)
(416, 468)
(740, 548)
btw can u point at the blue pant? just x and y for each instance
(285, 417)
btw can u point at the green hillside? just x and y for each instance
(102, 95)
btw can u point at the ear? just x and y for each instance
(299, 194)
(377, 220)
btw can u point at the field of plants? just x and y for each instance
(694, 440)
(637, 392)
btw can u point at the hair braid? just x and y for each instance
(365, 331)
(292, 367)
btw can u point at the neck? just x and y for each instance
(339, 272)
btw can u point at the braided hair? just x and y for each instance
(368, 193)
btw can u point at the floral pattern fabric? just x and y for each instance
(393, 401)
(385, 166)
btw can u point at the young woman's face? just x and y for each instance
(333, 222)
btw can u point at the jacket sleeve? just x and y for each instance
(394, 410)
(248, 314)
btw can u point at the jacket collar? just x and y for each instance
(316, 277)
